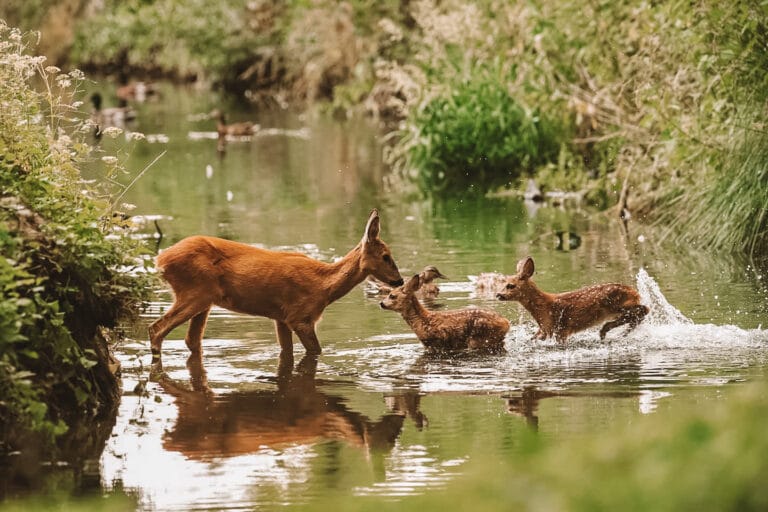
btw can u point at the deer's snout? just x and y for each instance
(500, 296)
(398, 282)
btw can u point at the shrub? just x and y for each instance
(475, 136)
(62, 269)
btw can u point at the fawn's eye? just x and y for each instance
(392, 296)
(387, 258)
(510, 286)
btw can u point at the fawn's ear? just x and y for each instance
(372, 227)
(525, 268)
(413, 284)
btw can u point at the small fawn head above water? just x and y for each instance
(562, 314)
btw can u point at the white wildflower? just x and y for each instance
(109, 160)
(112, 131)
(135, 136)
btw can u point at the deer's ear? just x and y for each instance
(413, 284)
(372, 227)
(525, 268)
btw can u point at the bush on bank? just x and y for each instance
(665, 101)
(63, 269)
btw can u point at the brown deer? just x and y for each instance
(427, 290)
(562, 314)
(290, 288)
(471, 328)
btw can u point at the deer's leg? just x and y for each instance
(180, 312)
(194, 337)
(308, 338)
(631, 315)
(636, 315)
(611, 325)
(284, 336)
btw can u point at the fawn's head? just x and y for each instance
(518, 284)
(399, 298)
(375, 258)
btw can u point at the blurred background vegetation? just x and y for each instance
(658, 108)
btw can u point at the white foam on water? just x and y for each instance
(661, 311)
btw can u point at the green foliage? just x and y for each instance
(207, 40)
(476, 135)
(709, 458)
(731, 213)
(61, 271)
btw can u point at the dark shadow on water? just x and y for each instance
(72, 470)
(299, 411)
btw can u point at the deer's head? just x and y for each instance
(400, 298)
(517, 285)
(376, 259)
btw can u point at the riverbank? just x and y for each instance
(653, 109)
(64, 267)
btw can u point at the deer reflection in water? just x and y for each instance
(526, 403)
(296, 413)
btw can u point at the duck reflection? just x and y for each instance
(296, 413)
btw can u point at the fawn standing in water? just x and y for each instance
(562, 314)
(447, 330)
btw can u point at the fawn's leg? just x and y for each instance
(611, 325)
(636, 316)
(284, 336)
(631, 315)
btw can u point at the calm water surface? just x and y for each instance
(374, 415)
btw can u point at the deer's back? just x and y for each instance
(458, 329)
(609, 296)
(244, 278)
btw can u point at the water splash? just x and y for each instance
(661, 311)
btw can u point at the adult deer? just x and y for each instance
(562, 314)
(290, 288)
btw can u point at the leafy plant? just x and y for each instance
(476, 136)
(62, 267)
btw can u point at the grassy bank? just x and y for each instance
(62, 271)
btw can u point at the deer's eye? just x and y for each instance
(510, 286)
(392, 296)
(387, 258)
